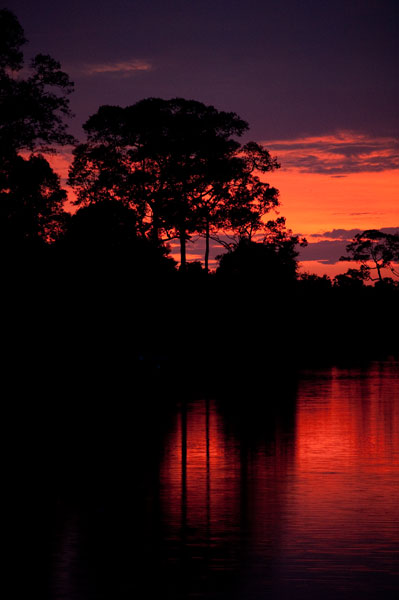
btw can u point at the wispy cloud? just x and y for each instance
(337, 155)
(373, 213)
(124, 68)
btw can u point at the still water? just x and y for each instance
(286, 491)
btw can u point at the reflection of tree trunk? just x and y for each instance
(208, 469)
(183, 544)
(182, 236)
(208, 486)
(183, 465)
(207, 246)
(243, 487)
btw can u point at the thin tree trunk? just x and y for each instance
(155, 226)
(378, 271)
(207, 246)
(183, 262)
(377, 265)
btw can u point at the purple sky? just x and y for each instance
(289, 67)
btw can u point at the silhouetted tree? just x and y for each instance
(177, 164)
(11, 40)
(235, 207)
(31, 203)
(99, 175)
(375, 251)
(100, 228)
(392, 242)
(32, 111)
(105, 233)
(271, 263)
(352, 279)
(174, 157)
(312, 283)
(122, 160)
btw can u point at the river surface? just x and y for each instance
(283, 490)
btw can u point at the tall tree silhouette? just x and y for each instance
(32, 109)
(375, 251)
(392, 242)
(178, 164)
(237, 211)
(32, 112)
(112, 166)
(201, 161)
(161, 157)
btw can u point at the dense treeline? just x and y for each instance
(98, 289)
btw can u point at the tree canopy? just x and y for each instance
(178, 164)
(31, 202)
(32, 108)
(32, 113)
(375, 251)
(269, 263)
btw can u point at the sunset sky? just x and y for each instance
(317, 81)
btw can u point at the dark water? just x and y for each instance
(289, 491)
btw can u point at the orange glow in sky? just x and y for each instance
(342, 181)
(314, 203)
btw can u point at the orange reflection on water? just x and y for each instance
(216, 486)
(301, 507)
(344, 503)
(353, 423)
(200, 476)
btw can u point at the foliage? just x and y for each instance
(269, 263)
(353, 278)
(105, 232)
(11, 39)
(177, 164)
(310, 282)
(375, 251)
(32, 112)
(31, 202)
(100, 228)
(169, 152)
(32, 109)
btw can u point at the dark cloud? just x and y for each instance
(327, 252)
(359, 214)
(330, 250)
(373, 213)
(348, 234)
(339, 154)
